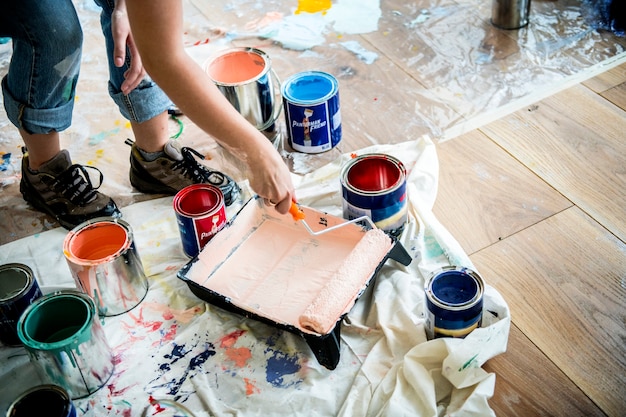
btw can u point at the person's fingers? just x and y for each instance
(284, 205)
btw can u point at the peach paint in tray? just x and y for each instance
(268, 267)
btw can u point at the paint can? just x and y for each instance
(18, 289)
(246, 78)
(510, 14)
(66, 343)
(374, 185)
(105, 264)
(200, 214)
(312, 114)
(44, 400)
(454, 300)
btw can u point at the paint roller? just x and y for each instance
(298, 215)
(343, 287)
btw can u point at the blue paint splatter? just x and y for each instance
(174, 385)
(97, 138)
(6, 162)
(278, 366)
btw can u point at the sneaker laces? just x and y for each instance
(196, 172)
(75, 184)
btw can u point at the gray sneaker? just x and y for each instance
(64, 191)
(175, 169)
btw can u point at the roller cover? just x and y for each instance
(337, 296)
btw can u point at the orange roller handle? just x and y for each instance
(296, 212)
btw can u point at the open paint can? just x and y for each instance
(374, 185)
(312, 114)
(454, 300)
(105, 264)
(66, 343)
(44, 400)
(200, 214)
(245, 77)
(18, 289)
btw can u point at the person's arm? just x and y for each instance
(157, 27)
(122, 38)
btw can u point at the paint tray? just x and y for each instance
(268, 267)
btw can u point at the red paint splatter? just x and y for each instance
(353, 155)
(239, 355)
(168, 315)
(157, 406)
(375, 98)
(115, 392)
(151, 325)
(250, 387)
(230, 339)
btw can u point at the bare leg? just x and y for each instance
(42, 147)
(153, 134)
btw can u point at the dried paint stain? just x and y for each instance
(279, 366)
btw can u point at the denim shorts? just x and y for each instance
(39, 88)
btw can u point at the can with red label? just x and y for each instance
(200, 213)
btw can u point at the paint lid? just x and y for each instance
(198, 200)
(97, 241)
(39, 326)
(309, 87)
(372, 174)
(237, 66)
(14, 280)
(50, 400)
(454, 288)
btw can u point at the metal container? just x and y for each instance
(200, 214)
(44, 400)
(18, 289)
(510, 14)
(312, 114)
(66, 343)
(454, 300)
(105, 264)
(374, 185)
(246, 78)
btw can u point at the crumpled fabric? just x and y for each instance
(176, 347)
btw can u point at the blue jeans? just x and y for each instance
(40, 85)
(147, 99)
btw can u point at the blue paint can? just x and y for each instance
(312, 115)
(18, 289)
(454, 300)
(374, 185)
(44, 400)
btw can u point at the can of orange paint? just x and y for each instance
(200, 213)
(246, 78)
(374, 185)
(105, 264)
(454, 301)
(18, 289)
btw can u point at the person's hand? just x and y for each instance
(270, 178)
(122, 38)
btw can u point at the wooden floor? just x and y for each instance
(538, 201)
(537, 198)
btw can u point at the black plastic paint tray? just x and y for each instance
(268, 267)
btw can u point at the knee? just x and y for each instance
(63, 33)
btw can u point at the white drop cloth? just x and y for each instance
(176, 347)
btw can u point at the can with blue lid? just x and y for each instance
(312, 114)
(454, 301)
